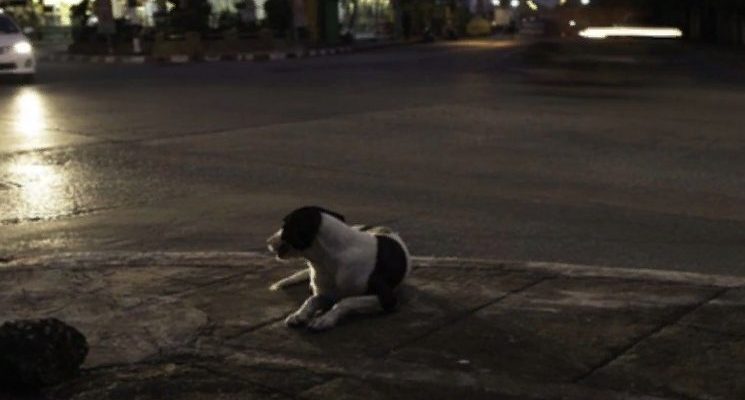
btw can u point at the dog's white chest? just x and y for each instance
(345, 276)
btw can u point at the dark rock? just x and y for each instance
(39, 353)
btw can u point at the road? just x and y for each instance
(625, 156)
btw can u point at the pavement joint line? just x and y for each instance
(250, 381)
(464, 315)
(705, 329)
(674, 320)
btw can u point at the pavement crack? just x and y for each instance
(674, 319)
(226, 279)
(258, 326)
(464, 315)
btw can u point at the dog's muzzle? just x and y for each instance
(281, 250)
(276, 245)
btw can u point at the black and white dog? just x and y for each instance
(352, 269)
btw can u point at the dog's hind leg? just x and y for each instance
(346, 306)
(298, 277)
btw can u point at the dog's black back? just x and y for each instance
(390, 270)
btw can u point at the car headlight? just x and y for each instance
(22, 48)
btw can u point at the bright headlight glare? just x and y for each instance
(22, 47)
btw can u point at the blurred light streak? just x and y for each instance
(630, 31)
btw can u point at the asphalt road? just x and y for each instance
(627, 155)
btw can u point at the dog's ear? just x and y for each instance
(301, 227)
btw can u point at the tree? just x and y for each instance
(278, 15)
(191, 15)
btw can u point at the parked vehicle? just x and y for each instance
(16, 52)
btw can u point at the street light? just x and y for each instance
(585, 2)
(496, 3)
(515, 3)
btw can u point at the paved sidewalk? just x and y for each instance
(204, 326)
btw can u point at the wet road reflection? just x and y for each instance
(28, 111)
(34, 189)
(31, 185)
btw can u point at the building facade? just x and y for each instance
(720, 21)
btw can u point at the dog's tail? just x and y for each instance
(294, 279)
(375, 230)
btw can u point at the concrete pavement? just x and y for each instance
(204, 326)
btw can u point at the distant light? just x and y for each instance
(630, 31)
(496, 3)
(572, 23)
(584, 2)
(562, 2)
(515, 3)
(532, 5)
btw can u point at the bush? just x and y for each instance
(190, 15)
(228, 21)
(278, 16)
(79, 14)
(246, 16)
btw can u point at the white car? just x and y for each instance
(16, 53)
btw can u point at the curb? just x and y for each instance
(184, 58)
(242, 259)
(585, 271)
(94, 59)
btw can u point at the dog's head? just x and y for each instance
(298, 232)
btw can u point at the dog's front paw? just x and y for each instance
(323, 322)
(296, 319)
